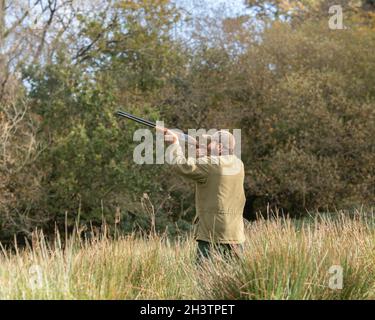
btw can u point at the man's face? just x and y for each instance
(207, 149)
(214, 148)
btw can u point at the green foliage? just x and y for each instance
(88, 152)
(302, 94)
(305, 109)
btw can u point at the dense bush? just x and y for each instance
(305, 109)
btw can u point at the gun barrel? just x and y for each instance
(135, 118)
(148, 123)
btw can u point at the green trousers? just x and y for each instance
(228, 251)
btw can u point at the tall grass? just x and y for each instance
(282, 260)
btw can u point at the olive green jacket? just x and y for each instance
(219, 194)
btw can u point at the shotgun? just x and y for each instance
(182, 136)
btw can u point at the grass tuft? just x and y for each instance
(282, 260)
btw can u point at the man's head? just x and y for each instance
(221, 143)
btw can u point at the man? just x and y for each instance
(219, 194)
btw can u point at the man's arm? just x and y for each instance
(190, 167)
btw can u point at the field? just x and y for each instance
(283, 259)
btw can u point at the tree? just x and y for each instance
(126, 58)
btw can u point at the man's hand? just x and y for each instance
(169, 135)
